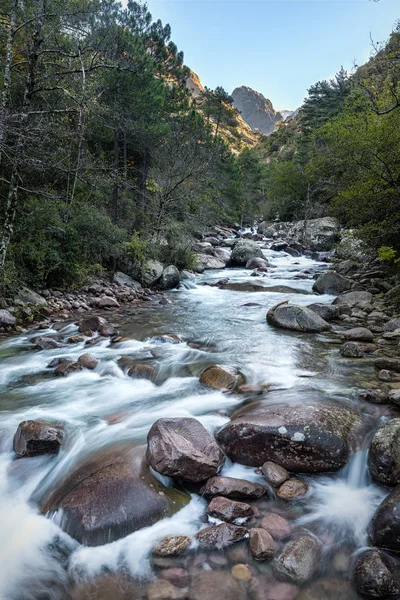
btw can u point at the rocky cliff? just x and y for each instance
(256, 110)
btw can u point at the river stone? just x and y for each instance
(91, 325)
(177, 576)
(274, 474)
(215, 585)
(152, 272)
(276, 525)
(205, 262)
(351, 350)
(107, 302)
(264, 587)
(241, 572)
(46, 342)
(66, 367)
(327, 312)
(172, 545)
(221, 536)
(221, 377)
(225, 509)
(108, 330)
(391, 364)
(28, 296)
(125, 280)
(292, 488)
(311, 437)
(331, 283)
(256, 286)
(170, 278)
(352, 299)
(296, 318)
(161, 589)
(257, 263)
(141, 371)
(384, 453)
(299, 559)
(34, 437)
(183, 448)
(110, 495)
(243, 251)
(262, 544)
(7, 319)
(385, 525)
(359, 334)
(111, 586)
(377, 575)
(231, 487)
(392, 325)
(88, 361)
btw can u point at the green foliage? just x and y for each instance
(388, 254)
(136, 248)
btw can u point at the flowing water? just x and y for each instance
(38, 560)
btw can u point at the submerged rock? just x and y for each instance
(384, 453)
(243, 251)
(141, 371)
(88, 361)
(183, 448)
(45, 342)
(33, 438)
(299, 559)
(262, 544)
(309, 437)
(385, 525)
(232, 488)
(110, 495)
(212, 585)
(172, 545)
(67, 367)
(221, 377)
(296, 318)
(331, 283)
(276, 525)
(377, 575)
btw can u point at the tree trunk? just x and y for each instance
(143, 188)
(5, 96)
(114, 205)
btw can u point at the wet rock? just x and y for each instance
(384, 453)
(35, 437)
(221, 536)
(141, 371)
(46, 342)
(91, 325)
(257, 263)
(210, 585)
(292, 488)
(385, 525)
(172, 545)
(309, 437)
(354, 298)
(76, 339)
(221, 377)
(262, 544)
(257, 286)
(112, 586)
(205, 262)
(166, 338)
(183, 448)
(276, 525)
(161, 589)
(108, 330)
(243, 251)
(375, 396)
(170, 278)
(359, 334)
(57, 361)
(88, 361)
(296, 318)
(177, 576)
(107, 302)
(377, 575)
(392, 325)
(327, 312)
(351, 350)
(331, 283)
(391, 364)
(265, 588)
(231, 487)
(110, 495)
(151, 273)
(241, 572)
(7, 319)
(67, 367)
(229, 510)
(274, 474)
(328, 589)
(299, 559)
(385, 375)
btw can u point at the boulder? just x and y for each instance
(296, 318)
(262, 544)
(331, 283)
(359, 334)
(257, 263)
(276, 525)
(45, 342)
(384, 453)
(392, 325)
(107, 302)
(141, 371)
(221, 536)
(279, 246)
(327, 312)
(258, 286)
(7, 319)
(351, 350)
(110, 495)
(182, 448)
(292, 488)
(376, 575)
(88, 361)
(108, 330)
(221, 377)
(322, 233)
(391, 364)
(172, 545)
(274, 474)
(170, 278)
(353, 299)
(152, 272)
(33, 438)
(91, 325)
(243, 251)
(229, 510)
(299, 560)
(385, 525)
(308, 437)
(67, 367)
(212, 585)
(125, 280)
(232, 488)
(205, 262)
(28, 296)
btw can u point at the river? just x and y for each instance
(38, 560)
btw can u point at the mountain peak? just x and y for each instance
(255, 109)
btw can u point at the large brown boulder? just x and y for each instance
(296, 318)
(110, 495)
(385, 525)
(182, 448)
(309, 437)
(221, 377)
(384, 453)
(34, 437)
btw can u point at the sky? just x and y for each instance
(277, 47)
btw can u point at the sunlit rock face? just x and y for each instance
(256, 110)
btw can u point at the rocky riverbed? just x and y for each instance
(238, 436)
